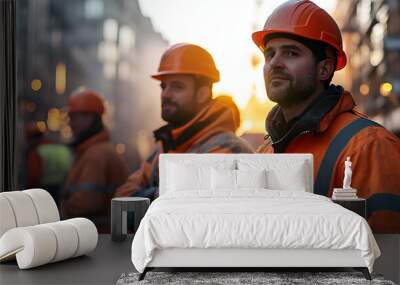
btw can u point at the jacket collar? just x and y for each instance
(102, 136)
(316, 118)
(214, 118)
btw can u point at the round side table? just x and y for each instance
(119, 209)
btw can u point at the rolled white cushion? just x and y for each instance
(67, 240)
(7, 218)
(23, 208)
(33, 246)
(45, 206)
(40, 244)
(26, 208)
(87, 235)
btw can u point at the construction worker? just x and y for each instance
(195, 122)
(97, 170)
(302, 47)
(47, 162)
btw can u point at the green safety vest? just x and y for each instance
(56, 161)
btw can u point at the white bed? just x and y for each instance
(247, 210)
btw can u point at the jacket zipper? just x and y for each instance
(268, 137)
(282, 138)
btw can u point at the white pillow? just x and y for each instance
(223, 179)
(280, 174)
(181, 177)
(292, 179)
(235, 179)
(251, 178)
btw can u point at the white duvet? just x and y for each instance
(253, 218)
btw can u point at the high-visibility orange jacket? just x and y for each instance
(211, 131)
(374, 152)
(95, 174)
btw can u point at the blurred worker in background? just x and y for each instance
(97, 169)
(47, 163)
(302, 47)
(196, 123)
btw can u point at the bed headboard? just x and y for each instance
(236, 160)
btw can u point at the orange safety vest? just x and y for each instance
(375, 153)
(211, 131)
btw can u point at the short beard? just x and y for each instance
(295, 94)
(181, 116)
(178, 119)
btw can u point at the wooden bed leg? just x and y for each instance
(143, 274)
(364, 271)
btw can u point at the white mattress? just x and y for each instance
(252, 218)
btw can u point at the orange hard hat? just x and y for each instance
(187, 58)
(85, 100)
(305, 19)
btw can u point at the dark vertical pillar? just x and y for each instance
(7, 95)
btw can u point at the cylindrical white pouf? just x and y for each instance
(67, 239)
(23, 208)
(34, 246)
(45, 206)
(87, 234)
(7, 218)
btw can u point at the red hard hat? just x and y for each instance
(85, 101)
(305, 19)
(186, 58)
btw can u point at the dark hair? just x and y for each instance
(327, 82)
(317, 48)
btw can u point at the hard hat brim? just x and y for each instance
(259, 36)
(159, 75)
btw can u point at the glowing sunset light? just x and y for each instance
(224, 28)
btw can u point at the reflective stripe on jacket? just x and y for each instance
(374, 152)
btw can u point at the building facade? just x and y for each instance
(105, 45)
(371, 34)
